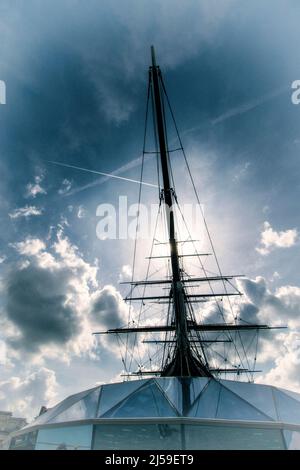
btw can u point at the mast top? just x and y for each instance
(153, 56)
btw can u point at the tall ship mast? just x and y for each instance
(185, 343)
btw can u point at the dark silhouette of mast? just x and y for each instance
(183, 363)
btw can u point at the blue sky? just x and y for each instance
(76, 80)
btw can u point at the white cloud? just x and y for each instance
(285, 371)
(30, 246)
(26, 211)
(3, 357)
(24, 395)
(33, 189)
(71, 257)
(275, 276)
(126, 273)
(2, 259)
(270, 239)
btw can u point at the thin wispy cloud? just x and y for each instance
(27, 211)
(34, 189)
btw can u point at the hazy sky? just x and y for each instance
(76, 80)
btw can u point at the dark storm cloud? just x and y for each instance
(106, 308)
(281, 306)
(37, 306)
(248, 312)
(254, 290)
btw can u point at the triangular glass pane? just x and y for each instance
(259, 396)
(288, 409)
(86, 408)
(112, 394)
(197, 385)
(61, 406)
(232, 407)
(294, 395)
(148, 401)
(172, 389)
(292, 439)
(206, 404)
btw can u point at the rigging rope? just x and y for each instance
(138, 214)
(198, 201)
(168, 346)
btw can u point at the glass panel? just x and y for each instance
(294, 395)
(5, 444)
(65, 438)
(60, 407)
(197, 386)
(292, 439)
(232, 407)
(146, 402)
(113, 394)
(260, 396)
(24, 441)
(172, 389)
(137, 436)
(85, 408)
(232, 437)
(288, 408)
(206, 405)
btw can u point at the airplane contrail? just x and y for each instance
(241, 109)
(98, 182)
(248, 106)
(109, 175)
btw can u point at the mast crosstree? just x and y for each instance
(185, 359)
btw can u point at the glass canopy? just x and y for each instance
(169, 413)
